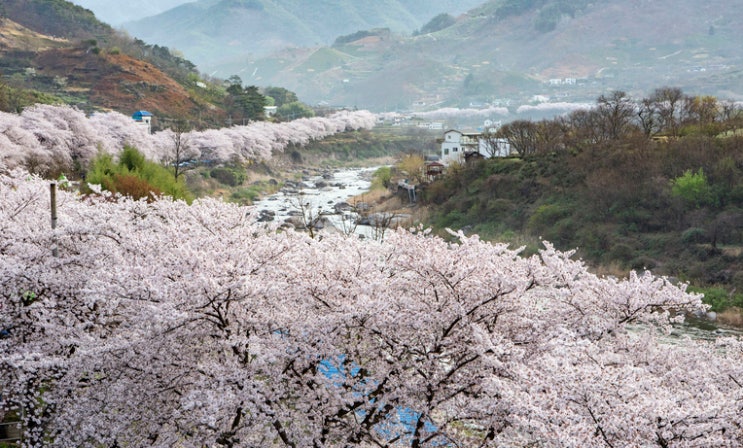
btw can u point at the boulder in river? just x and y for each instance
(266, 216)
(341, 207)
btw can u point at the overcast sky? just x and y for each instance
(117, 12)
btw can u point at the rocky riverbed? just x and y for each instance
(329, 200)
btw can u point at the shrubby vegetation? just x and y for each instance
(15, 100)
(134, 176)
(656, 184)
(342, 40)
(549, 12)
(438, 23)
(228, 175)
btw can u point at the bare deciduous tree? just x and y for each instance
(182, 157)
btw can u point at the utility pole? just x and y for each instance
(53, 193)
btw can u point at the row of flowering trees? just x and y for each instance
(166, 325)
(47, 139)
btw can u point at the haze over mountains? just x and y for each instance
(116, 12)
(211, 32)
(502, 52)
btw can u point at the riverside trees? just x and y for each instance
(52, 139)
(162, 324)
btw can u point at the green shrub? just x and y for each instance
(546, 216)
(135, 176)
(694, 235)
(229, 176)
(718, 297)
(500, 209)
(454, 220)
(621, 252)
(245, 196)
(692, 188)
(382, 178)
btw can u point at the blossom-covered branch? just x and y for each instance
(162, 324)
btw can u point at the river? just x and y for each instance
(324, 199)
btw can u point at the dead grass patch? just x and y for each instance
(732, 317)
(611, 269)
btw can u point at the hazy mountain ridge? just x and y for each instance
(211, 31)
(487, 54)
(117, 12)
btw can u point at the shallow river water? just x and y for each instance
(323, 194)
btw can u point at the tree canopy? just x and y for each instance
(161, 324)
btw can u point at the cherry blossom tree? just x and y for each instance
(163, 324)
(47, 139)
(116, 130)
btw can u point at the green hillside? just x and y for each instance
(57, 18)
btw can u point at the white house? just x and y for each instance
(144, 118)
(457, 144)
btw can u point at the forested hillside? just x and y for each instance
(658, 187)
(52, 51)
(57, 18)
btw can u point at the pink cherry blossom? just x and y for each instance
(45, 138)
(163, 324)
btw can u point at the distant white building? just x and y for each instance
(457, 145)
(432, 125)
(144, 118)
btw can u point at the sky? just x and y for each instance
(116, 13)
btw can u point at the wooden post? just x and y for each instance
(53, 193)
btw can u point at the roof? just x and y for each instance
(140, 114)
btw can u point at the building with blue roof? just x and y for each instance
(143, 117)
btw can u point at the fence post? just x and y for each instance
(53, 193)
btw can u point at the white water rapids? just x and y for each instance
(321, 195)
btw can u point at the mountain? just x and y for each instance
(55, 52)
(564, 51)
(213, 31)
(116, 12)
(56, 18)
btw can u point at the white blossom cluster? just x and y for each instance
(167, 325)
(45, 136)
